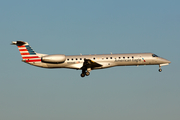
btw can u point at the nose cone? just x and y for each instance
(168, 61)
(165, 60)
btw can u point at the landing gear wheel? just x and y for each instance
(87, 73)
(160, 70)
(82, 75)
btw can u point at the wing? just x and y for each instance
(90, 64)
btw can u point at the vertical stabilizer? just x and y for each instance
(27, 53)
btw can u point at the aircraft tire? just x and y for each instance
(82, 75)
(87, 73)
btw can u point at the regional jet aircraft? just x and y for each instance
(86, 63)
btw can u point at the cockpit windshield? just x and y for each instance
(154, 55)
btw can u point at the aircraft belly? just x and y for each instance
(75, 66)
(39, 64)
(62, 65)
(65, 65)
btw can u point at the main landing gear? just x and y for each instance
(160, 70)
(85, 72)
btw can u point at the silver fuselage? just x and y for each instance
(106, 60)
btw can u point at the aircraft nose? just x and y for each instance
(165, 60)
(168, 61)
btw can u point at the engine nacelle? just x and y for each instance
(59, 58)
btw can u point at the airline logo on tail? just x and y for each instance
(27, 53)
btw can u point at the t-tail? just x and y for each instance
(27, 53)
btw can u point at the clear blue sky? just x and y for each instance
(90, 27)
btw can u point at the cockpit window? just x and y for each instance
(154, 55)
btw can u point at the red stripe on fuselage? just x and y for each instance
(30, 57)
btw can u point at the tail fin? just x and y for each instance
(27, 53)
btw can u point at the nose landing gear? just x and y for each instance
(160, 70)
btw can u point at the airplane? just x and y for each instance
(86, 63)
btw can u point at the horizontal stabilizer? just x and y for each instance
(18, 43)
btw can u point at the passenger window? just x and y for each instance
(124, 57)
(128, 57)
(132, 56)
(110, 57)
(76, 59)
(72, 59)
(94, 58)
(67, 59)
(119, 57)
(80, 58)
(107, 58)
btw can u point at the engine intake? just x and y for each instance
(58, 58)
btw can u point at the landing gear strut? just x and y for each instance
(160, 68)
